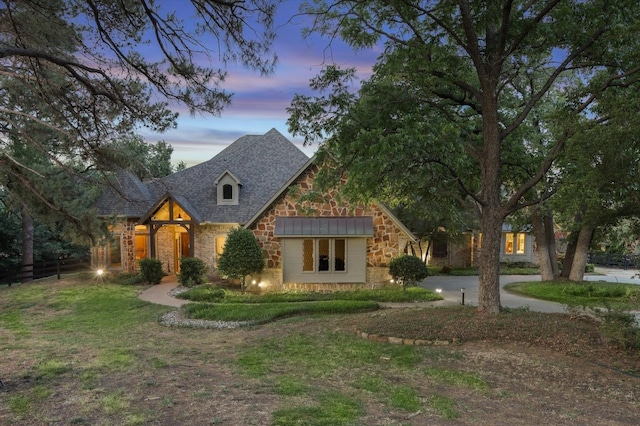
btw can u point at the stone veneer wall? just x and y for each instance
(205, 242)
(128, 241)
(165, 240)
(387, 242)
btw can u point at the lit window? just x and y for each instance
(220, 242)
(520, 243)
(517, 240)
(508, 248)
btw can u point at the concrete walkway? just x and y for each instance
(450, 289)
(159, 294)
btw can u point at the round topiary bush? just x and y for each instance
(151, 271)
(408, 270)
(192, 271)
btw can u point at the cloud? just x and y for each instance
(259, 102)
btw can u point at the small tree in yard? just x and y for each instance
(242, 256)
(408, 270)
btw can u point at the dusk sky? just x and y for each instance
(259, 103)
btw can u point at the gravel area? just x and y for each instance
(176, 319)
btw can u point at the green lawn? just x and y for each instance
(586, 293)
(217, 304)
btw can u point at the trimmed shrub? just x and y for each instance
(241, 256)
(192, 271)
(151, 271)
(589, 268)
(408, 270)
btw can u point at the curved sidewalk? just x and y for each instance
(450, 288)
(159, 293)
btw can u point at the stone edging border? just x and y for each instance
(401, 341)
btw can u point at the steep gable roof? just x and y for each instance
(293, 180)
(263, 163)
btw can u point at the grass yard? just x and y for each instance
(587, 293)
(77, 352)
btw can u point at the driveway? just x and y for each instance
(451, 288)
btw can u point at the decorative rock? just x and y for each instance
(176, 319)
(396, 340)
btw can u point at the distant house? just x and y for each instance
(515, 246)
(255, 183)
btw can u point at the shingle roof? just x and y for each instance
(263, 163)
(126, 196)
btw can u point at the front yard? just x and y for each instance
(76, 352)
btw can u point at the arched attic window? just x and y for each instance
(228, 188)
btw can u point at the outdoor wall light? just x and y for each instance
(254, 282)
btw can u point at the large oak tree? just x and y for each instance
(465, 96)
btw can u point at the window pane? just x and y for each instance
(439, 248)
(141, 246)
(220, 241)
(227, 192)
(323, 255)
(307, 256)
(115, 253)
(340, 255)
(508, 248)
(520, 246)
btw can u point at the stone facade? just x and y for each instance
(387, 242)
(205, 241)
(128, 241)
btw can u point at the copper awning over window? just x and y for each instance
(361, 226)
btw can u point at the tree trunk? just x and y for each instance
(551, 242)
(542, 247)
(581, 253)
(568, 256)
(27, 246)
(489, 265)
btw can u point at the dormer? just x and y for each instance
(228, 189)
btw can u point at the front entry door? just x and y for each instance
(182, 247)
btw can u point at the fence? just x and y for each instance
(45, 269)
(615, 260)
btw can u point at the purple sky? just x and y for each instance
(259, 103)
